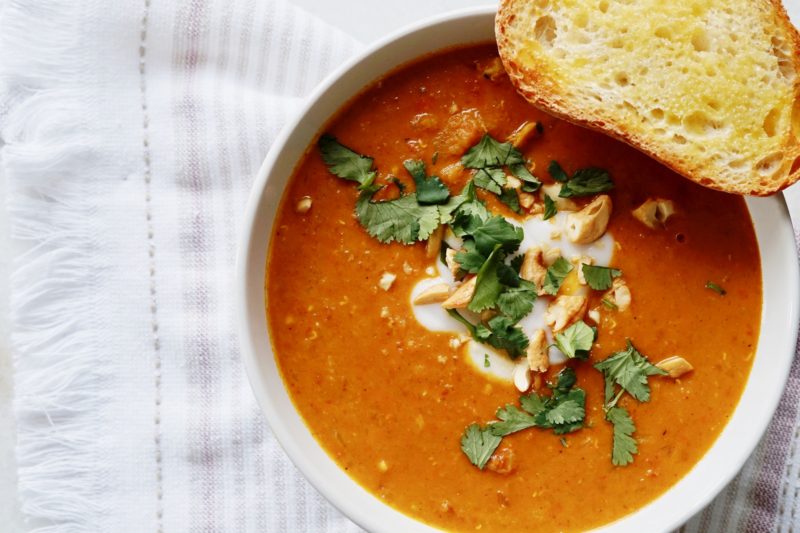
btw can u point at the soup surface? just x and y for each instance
(389, 399)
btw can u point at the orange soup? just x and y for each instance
(411, 412)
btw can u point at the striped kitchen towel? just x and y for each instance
(131, 132)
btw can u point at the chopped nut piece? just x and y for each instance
(525, 132)
(456, 342)
(384, 312)
(433, 294)
(450, 260)
(675, 366)
(303, 205)
(522, 377)
(562, 204)
(526, 199)
(533, 268)
(502, 462)
(654, 212)
(462, 296)
(550, 255)
(538, 359)
(434, 242)
(589, 224)
(386, 281)
(493, 70)
(453, 109)
(513, 183)
(565, 310)
(407, 269)
(429, 270)
(594, 314)
(621, 294)
(382, 466)
(555, 235)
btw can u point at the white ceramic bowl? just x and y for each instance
(776, 343)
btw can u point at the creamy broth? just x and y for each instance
(389, 400)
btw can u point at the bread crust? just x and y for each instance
(533, 82)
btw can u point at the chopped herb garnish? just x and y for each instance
(478, 444)
(403, 219)
(716, 288)
(549, 208)
(429, 190)
(598, 277)
(345, 163)
(516, 303)
(470, 259)
(488, 286)
(629, 369)
(491, 153)
(501, 333)
(486, 363)
(586, 182)
(624, 445)
(497, 231)
(488, 157)
(555, 275)
(608, 303)
(511, 419)
(510, 198)
(556, 172)
(576, 341)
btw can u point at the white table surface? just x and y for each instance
(366, 20)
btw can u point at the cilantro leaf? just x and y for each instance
(549, 208)
(487, 287)
(512, 419)
(516, 263)
(501, 333)
(530, 183)
(600, 278)
(555, 275)
(478, 444)
(533, 403)
(470, 213)
(491, 153)
(567, 409)
(429, 190)
(624, 446)
(470, 259)
(491, 178)
(345, 163)
(556, 172)
(586, 182)
(402, 220)
(510, 198)
(565, 380)
(497, 231)
(629, 369)
(576, 341)
(516, 303)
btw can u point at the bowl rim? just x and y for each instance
(373, 516)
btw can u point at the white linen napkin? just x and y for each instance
(132, 132)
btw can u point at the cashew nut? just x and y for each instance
(654, 212)
(434, 294)
(675, 366)
(533, 268)
(538, 360)
(589, 224)
(463, 295)
(565, 310)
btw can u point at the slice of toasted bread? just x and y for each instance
(711, 88)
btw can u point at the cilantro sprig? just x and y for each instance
(488, 158)
(430, 190)
(555, 276)
(346, 163)
(584, 182)
(629, 370)
(576, 341)
(563, 411)
(598, 277)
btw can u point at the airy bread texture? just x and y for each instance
(711, 88)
